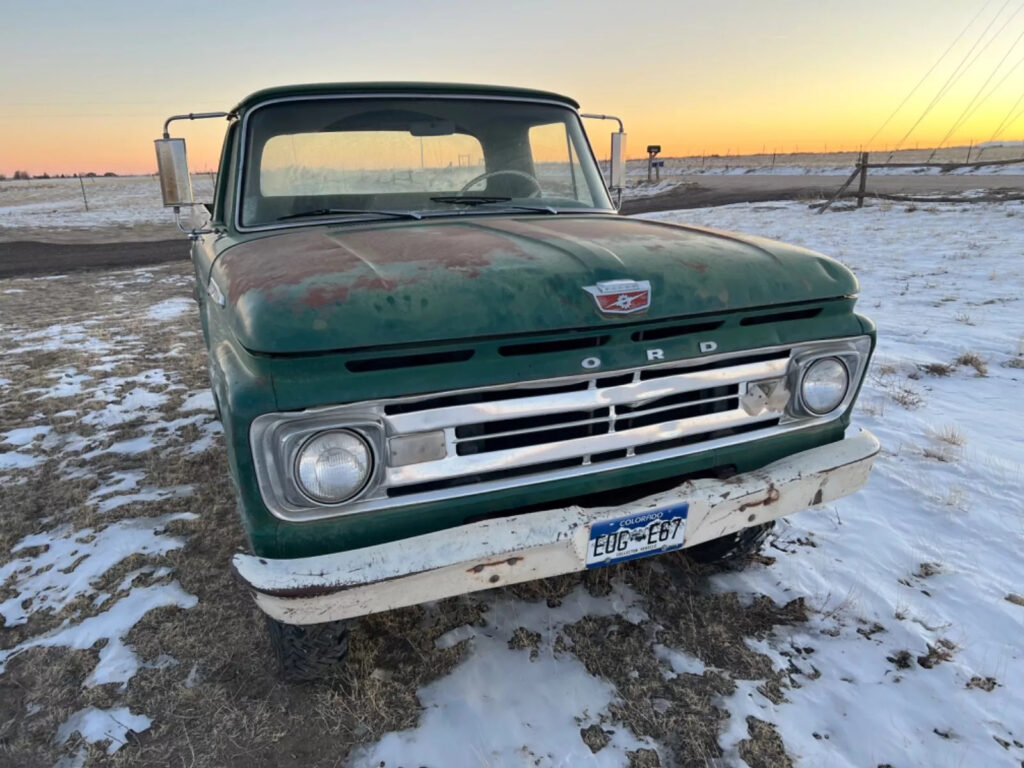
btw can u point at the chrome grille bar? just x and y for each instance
(590, 399)
(456, 466)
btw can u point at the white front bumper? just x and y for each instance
(537, 545)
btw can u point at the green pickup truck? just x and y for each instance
(444, 362)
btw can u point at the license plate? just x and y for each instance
(636, 535)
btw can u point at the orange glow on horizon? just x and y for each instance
(743, 77)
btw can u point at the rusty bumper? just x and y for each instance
(540, 544)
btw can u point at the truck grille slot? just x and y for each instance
(560, 345)
(408, 361)
(543, 429)
(536, 430)
(779, 317)
(671, 332)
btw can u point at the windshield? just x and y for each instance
(362, 158)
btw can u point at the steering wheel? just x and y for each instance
(507, 172)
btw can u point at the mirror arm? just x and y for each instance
(606, 117)
(193, 234)
(191, 116)
(622, 132)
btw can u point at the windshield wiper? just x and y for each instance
(504, 202)
(470, 199)
(349, 211)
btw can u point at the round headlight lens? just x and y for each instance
(824, 385)
(333, 466)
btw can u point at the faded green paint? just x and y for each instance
(330, 288)
(304, 302)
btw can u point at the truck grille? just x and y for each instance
(543, 427)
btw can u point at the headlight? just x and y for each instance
(333, 466)
(824, 385)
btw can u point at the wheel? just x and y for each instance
(504, 172)
(306, 653)
(733, 549)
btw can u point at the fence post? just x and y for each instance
(862, 188)
(84, 200)
(842, 189)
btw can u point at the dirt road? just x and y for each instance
(700, 191)
(35, 258)
(28, 257)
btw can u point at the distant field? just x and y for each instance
(821, 162)
(129, 209)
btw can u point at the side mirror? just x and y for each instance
(172, 164)
(617, 169)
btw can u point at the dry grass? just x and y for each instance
(938, 369)
(949, 434)
(973, 360)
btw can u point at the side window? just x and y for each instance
(556, 165)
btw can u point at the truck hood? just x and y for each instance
(319, 289)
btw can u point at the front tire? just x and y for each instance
(734, 549)
(307, 653)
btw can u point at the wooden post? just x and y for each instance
(84, 200)
(969, 148)
(842, 189)
(863, 179)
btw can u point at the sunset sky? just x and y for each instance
(86, 86)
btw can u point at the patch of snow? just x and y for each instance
(69, 383)
(144, 494)
(913, 647)
(24, 435)
(137, 402)
(117, 662)
(97, 725)
(681, 663)
(14, 460)
(170, 309)
(56, 204)
(59, 336)
(72, 560)
(198, 401)
(502, 707)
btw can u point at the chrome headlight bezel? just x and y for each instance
(277, 443)
(852, 353)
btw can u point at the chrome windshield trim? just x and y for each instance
(243, 135)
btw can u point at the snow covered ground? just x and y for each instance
(883, 629)
(48, 207)
(912, 653)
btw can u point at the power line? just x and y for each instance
(926, 74)
(995, 88)
(1003, 125)
(955, 74)
(963, 115)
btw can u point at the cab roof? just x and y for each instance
(398, 89)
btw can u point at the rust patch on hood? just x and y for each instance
(338, 262)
